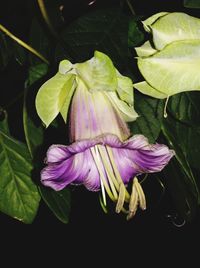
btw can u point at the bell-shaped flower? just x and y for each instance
(170, 62)
(102, 155)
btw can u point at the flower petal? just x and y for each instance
(139, 157)
(76, 168)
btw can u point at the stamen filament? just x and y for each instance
(133, 202)
(98, 165)
(141, 196)
(103, 205)
(116, 171)
(121, 199)
(112, 186)
(103, 192)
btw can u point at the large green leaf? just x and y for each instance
(185, 107)
(192, 3)
(177, 135)
(103, 30)
(150, 113)
(174, 27)
(32, 125)
(177, 183)
(19, 196)
(39, 40)
(174, 69)
(58, 202)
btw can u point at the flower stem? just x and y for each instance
(23, 44)
(130, 7)
(46, 17)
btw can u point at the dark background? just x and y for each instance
(151, 235)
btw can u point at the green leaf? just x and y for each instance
(33, 132)
(174, 27)
(39, 41)
(135, 36)
(175, 134)
(102, 30)
(174, 69)
(19, 196)
(32, 125)
(19, 53)
(58, 202)
(150, 116)
(151, 20)
(4, 121)
(185, 107)
(145, 50)
(192, 3)
(36, 72)
(177, 184)
(52, 96)
(125, 110)
(146, 89)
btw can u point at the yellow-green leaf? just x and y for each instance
(52, 96)
(174, 69)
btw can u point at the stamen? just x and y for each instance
(121, 199)
(108, 173)
(116, 171)
(141, 196)
(98, 163)
(103, 192)
(103, 205)
(133, 202)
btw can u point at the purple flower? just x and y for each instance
(102, 156)
(108, 164)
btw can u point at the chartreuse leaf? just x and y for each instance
(192, 3)
(125, 88)
(52, 96)
(98, 73)
(148, 22)
(126, 111)
(58, 202)
(174, 69)
(176, 137)
(150, 113)
(146, 89)
(174, 27)
(19, 197)
(145, 50)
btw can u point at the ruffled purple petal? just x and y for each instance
(75, 163)
(78, 168)
(132, 161)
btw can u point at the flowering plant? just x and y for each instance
(110, 102)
